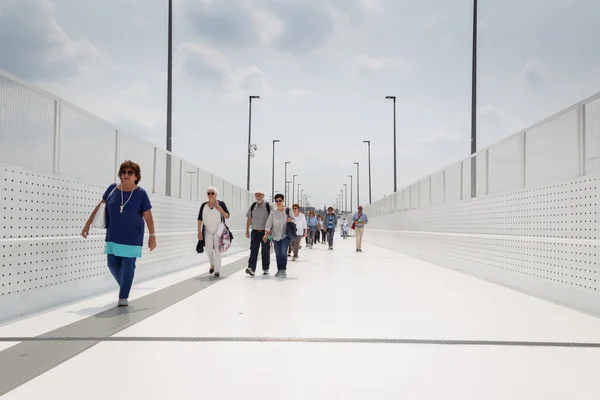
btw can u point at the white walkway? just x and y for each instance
(339, 294)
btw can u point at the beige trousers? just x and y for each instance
(359, 236)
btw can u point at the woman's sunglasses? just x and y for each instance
(278, 201)
(210, 193)
(128, 172)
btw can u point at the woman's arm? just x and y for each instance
(199, 229)
(150, 223)
(86, 229)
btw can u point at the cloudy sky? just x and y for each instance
(322, 69)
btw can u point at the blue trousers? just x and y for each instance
(281, 247)
(123, 270)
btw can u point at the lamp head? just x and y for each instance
(390, 97)
(254, 97)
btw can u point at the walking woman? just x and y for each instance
(276, 227)
(312, 223)
(212, 213)
(323, 230)
(127, 207)
(318, 232)
(301, 230)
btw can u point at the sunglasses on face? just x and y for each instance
(128, 172)
(210, 193)
(278, 201)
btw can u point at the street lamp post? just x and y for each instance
(351, 180)
(273, 173)
(169, 97)
(301, 198)
(474, 105)
(357, 184)
(368, 142)
(287, 190)
(293, 187)
(286, 194)
(342, 199)
(250, 137)
(298, 193)
(395, 170)
(346, 196)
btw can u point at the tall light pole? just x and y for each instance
(273, 173)
(357, 183)
(169, 97)
(298, 193)
(293, 188)
(395, 170)
(351, 180)
(342, 199)
(474, 105)
(301, 197)
(368, 142)
(286, 194)
(287, 191)
(250, 136)
(346, 196)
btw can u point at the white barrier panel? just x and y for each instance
(44, 260)
(542, 241)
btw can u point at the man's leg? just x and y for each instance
(255, 241)
(330, 233)
(296, 245)
(359, 237)
(266, 255)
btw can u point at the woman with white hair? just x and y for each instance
(212, 213)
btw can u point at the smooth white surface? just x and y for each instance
(50, 320)
(375, 294)
(317, 371)
(340, 293)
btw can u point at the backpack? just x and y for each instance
(291, 230)
(266, 205)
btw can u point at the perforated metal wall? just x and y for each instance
(544, 241)
(41, 217)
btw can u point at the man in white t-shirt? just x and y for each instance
(301, 230)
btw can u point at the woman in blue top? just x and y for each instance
(312, 221)
(127, 207)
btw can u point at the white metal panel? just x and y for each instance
(414, 195)
(505, 165)
(552, 151)
(452, 183)
(466, 179)
(26, 126)
(591, 129)
(140, 152)
(424, 192)
(87, 147)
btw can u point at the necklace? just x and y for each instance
(130, 194)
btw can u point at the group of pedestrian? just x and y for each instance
(125, 210)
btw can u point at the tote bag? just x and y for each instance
(101, 216)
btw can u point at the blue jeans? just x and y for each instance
(281, 247)
(123, 270)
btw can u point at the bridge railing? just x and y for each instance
(559, 148)
(41, 131)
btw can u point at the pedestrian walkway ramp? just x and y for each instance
(377, 324)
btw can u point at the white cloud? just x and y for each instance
(298, 94)
(374, 6)
(363, 62)
(431, 21)
(214, 68)
(444, 136)
(482, 23)
(534, 71)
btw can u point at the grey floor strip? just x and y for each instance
(34, 356)
(187, 339)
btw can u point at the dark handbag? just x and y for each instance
(200, 246)
(291, 230)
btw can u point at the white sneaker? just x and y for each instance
(123, 303)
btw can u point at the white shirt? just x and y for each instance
(300, 221)
(211, 218)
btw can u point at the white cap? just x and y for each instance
(259, 191)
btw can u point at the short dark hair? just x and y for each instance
(279, 196)
(134, 166)
(296, 206)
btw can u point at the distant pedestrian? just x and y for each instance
(276, 227)
(301, 230)
(256, 218)
(359, 220)
(330, 223)
(312, 223)
(212, 213)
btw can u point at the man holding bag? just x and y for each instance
(359, 220)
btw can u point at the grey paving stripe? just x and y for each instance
(36, 355)
(186, 339)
